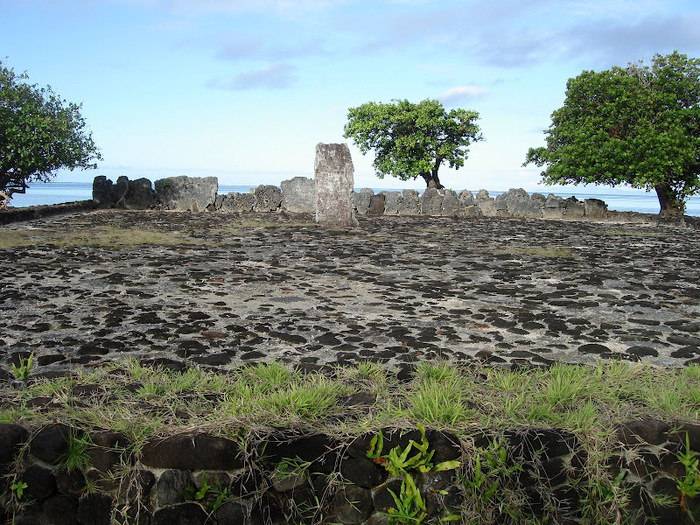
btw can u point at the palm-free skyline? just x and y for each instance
(245, 89)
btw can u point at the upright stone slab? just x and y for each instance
(299, 195)
(334, 186)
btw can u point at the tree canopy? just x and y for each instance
(413, 140)
(636, 126)
(39, 134)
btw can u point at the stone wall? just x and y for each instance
(298, 195)
(295, 477)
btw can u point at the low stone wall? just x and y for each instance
(293, 477)
(297, 196)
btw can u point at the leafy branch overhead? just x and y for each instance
(637, 126)
(413, 140)
(39, 134)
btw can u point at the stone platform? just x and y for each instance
(397, 290)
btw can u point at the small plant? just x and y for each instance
(209, 497)
(689, 485)
(22, 371)
(410, 506)
(18, 488)
(76, 455)
(488, 472)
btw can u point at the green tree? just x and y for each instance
(39, 134)
(413, 140)
(636, 126)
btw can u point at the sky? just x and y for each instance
(244, 89)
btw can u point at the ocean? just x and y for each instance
(618, 200)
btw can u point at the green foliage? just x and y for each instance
(409, 504)
(39, 134)
(689, 485)
(22, 371)
(76, 455)
(18, 488)
(209, 497)
(410, 507)
(637, 126)
(413, 140)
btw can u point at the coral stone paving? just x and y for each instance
(219, 290)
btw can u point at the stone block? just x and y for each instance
(574, 208)
(431, 202)
(410, 203)
(392, 202)
(486, 204)
(267, 199)
(334, 186)
(595, 208)
(171, 487)
(376, 205)
(554, 207)
(102, 192)
(139, 195)
(238, 202)
(362, 200)
(50, 443)
(352, 504)
(192, 451)
(451, 205)
(12, 437)
(180, 514)
(299, 195)
(186, 193)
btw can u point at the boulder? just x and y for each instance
(334, 186)
(299, 195)
(267, 198)
(186, 193)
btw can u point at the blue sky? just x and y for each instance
(245, 89)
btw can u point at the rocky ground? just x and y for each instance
(395, 290)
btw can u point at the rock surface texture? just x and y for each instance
(334, 186)
(396, 290)
(187, 193)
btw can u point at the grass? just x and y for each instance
(144, 401)
(109, 236)
(538, 251)
(246, 404)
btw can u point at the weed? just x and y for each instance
(409, 504)
(76, 455)
(689, 485)
(22, 371)
(210, 497)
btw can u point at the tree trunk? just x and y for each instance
(432, 180)
(670, 204)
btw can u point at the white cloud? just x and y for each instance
(457, 94)
(276, 76)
